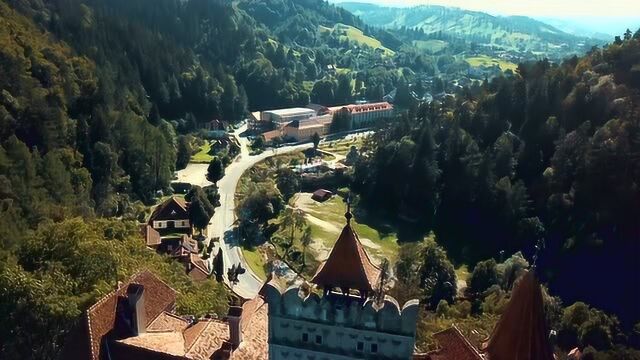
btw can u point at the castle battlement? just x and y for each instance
(338, 325)
(348, 311)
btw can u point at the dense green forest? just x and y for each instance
(97, 98)
(547, 158)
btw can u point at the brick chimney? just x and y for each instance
(135, 296)
(235, 330)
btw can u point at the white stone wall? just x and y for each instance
(331, 329)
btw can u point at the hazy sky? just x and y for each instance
(572, 8)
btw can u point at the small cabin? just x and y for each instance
(321, 195)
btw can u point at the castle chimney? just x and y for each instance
(235, 330)
(135, 295)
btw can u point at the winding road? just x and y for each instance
(222, 223)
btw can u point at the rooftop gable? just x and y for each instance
(102, 318)
(172, 209)
(521, 332)
(348, 265)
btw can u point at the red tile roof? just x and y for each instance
(348, 265)
(254, 325)
(101, 317)
(358, 108)
(453, 346)
(521, 332)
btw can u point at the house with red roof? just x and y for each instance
(137, 321)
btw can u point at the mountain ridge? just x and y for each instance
(520, 32)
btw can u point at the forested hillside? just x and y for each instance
(94, 96)
(513, 32)
(548, 158)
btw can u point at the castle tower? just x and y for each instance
(521, 333)
(346, 322)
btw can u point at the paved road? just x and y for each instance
(222, 224)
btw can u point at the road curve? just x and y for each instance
(222, 223)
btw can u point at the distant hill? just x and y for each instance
(512, 32)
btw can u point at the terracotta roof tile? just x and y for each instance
(348, 265)
(521, 332)
(453, 346)
(254, 325)
(165, 342)
(101, 317)
(168, 322)
(205, 338)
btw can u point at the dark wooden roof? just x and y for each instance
(174, 208)
(151, 236)
(348, 265)
(521, 332)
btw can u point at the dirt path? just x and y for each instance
(325, 225)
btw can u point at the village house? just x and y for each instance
(321, 195)
(172, 216)
(137, 321)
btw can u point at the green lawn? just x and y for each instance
(356, 35)
(431, 46)
(203, 156)
(341, 147)
(256, 262)
(488, 61)
(379, 244)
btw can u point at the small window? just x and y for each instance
(360, 346)
(374, 348)
(305, 337)
(319, 339)
(173, 212)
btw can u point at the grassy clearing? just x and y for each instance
(203, 156)
(256, 262)
(430, 46)
(341, 147)
(356, 35)
(488, 61)
(328, 220)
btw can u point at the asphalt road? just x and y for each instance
(222, 223)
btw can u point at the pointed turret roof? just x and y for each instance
(348, 265)
(521, 333)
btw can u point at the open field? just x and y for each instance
(488, 61)
(356, 35)
(431, 46)
(203, 156)
(256, 262)
(342, 146)
(327, 220)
